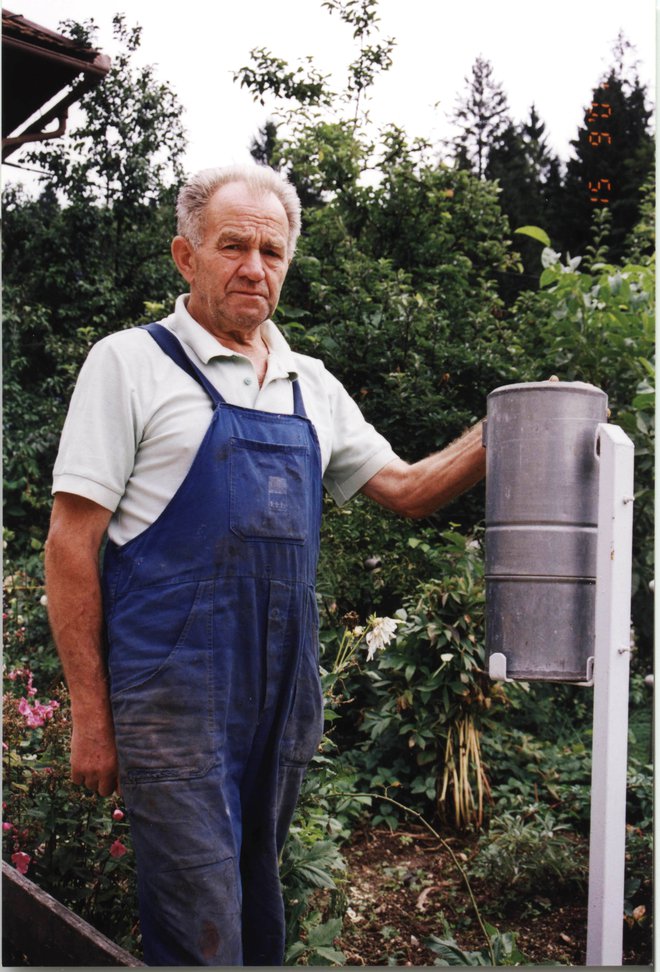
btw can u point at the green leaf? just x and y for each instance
(548, 276)
(332, 955)
(645, 400)
(294, 952)
(536, 233)
(451, 954)
(324, 934)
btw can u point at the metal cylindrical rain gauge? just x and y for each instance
(541, 529)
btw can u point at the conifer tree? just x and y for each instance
(614, 153)
(482, 116)
(528, 175)
(527, 171)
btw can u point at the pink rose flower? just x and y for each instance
(36, 714)
(117, 849)
(117, 814)
(21, 861)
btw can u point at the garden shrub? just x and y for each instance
(525, 856)
(75, 845)
(429, 692)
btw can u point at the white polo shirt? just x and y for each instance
(136, 420)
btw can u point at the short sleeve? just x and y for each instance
(359, 451)
(102, 428)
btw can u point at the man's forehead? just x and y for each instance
(237, 199)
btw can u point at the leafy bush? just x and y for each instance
(529, 774)
(524, 856)
(429, 693)
(313, 921)
(501, 950)
(596, 323)
(313, 868)
(73, 844)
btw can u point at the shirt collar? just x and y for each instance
(206, 347)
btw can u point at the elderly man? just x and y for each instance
(200, 445)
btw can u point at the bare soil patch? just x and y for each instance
(404, 886)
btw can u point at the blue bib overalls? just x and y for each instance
(213, 655)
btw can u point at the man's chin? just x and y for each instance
(251, 310)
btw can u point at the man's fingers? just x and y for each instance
(105, 786)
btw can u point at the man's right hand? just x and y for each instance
(94, 755)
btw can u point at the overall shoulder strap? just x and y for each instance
(171, 345)
(298, 404)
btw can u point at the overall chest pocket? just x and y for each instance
(268, 491)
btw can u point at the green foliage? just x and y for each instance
(429, 693)
(82, 260)
(269, 74)
(372, 58)
(598, 325)
(131, 139)
(328, 806)
(528, 774)
(640, 243)
(25, 634)
(482, 114)
(502, 950)
(74, 845)
(614, 153)
(305, 86)
(536, 233)
(306, 870)
(524, 855)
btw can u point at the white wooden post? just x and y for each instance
(610, 715)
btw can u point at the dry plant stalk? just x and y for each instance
(464, 781)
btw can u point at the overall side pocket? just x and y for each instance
(162, 704)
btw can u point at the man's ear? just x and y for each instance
(183, 256)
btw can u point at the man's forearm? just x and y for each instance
(76, 618)
(421, 488)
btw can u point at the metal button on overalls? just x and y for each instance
(212, 639)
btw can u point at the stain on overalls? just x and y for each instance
(213, 655)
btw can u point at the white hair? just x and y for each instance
(198, 190)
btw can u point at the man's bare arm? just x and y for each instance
(421, 488)
(76, 617)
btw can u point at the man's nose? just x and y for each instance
(252, 265)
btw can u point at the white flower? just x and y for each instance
(382, 632)
(447, 657)
(43, 600)
(357, 630)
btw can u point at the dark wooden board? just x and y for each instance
(47, 933)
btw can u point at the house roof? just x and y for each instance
(37, 64)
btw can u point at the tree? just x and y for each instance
(131, 140)
(264, 145)
(527, 171)
(614, 153)
(528, 176)
(482, 115)
(83, 259)
(372, 58)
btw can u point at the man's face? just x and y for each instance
(237, 271)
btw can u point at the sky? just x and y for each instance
(548, 54)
